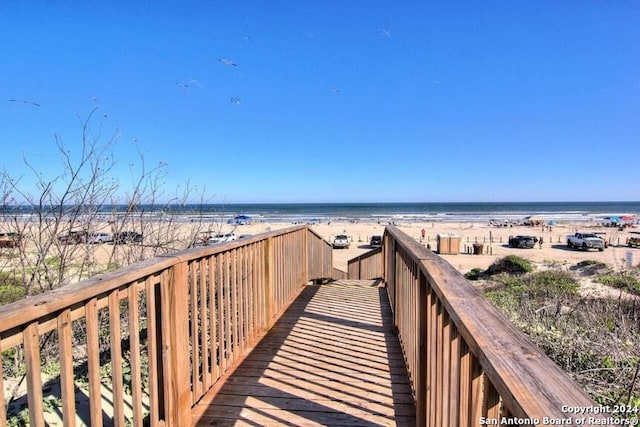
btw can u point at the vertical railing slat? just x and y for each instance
(93, 362)
(243, 299)
(234, 305)
(34, 379)
(477, 385)
(454, 377)
(205, 311)
(215, 373)
(222, 358)
(490, 401)
(67, 385)
(464, 407)
(176, 308)
(134, 351)
(445, 368)
(155, 399)
(116, 358)
(3, 408)
(227, 311)
(195, 347)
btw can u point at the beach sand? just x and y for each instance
(494, 239)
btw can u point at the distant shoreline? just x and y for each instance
(383, 213)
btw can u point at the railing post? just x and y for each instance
(176, 358)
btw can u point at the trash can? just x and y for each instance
(477, 248)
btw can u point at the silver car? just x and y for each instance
(99, 238)
(341, 241)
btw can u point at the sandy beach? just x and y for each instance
(494, 239)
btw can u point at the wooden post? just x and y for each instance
(176, 347)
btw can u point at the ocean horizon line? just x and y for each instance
(361, 211)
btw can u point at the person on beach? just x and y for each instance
(540, 242)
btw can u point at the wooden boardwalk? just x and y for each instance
(332, 359)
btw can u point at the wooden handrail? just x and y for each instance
(166, 329)
(467, 362)
(368, 265)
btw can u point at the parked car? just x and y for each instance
(603, 236)
(127, 237)
(634, 239)
(99, 238)
(341, 241)
(376, 241)
(10, 240)
(221, 238)
(585, 241)
(525, 242)
(73, 237)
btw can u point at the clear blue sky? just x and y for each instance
(335, 100)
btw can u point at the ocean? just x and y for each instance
(382, 212)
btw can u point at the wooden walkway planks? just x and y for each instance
(331, 359)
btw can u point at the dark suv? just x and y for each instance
(74, 237)
(376, 241)
(526, 242)
(127, 237)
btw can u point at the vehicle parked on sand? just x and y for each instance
(603, 236)
(376, 241)
(341, 241)
(100, 238)
(525, 242)
(585, 241)
(634, 240)
(127, 237)
(73, 237)
(221, 238)
(213, 237)
(10, 240)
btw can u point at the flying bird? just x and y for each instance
(385, 33)
(24, 101)
(228, 62)
(334, 90)
(185, 85)
(236, 101)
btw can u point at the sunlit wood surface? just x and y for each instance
(331, 359)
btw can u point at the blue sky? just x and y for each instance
(333, 100)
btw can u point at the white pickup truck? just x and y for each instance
(585, 241)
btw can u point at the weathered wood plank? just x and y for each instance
(34, 383)
(306, 370)
(67, 386)
(116, 357)
(136, 371)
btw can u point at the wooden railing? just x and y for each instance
(468, 364)
(145, 342)
(369, 265)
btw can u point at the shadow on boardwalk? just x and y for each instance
(331, 359)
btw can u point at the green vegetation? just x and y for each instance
(594, 340)
(622, 280)
(11, 288)
(511, 264)
(474, 274)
